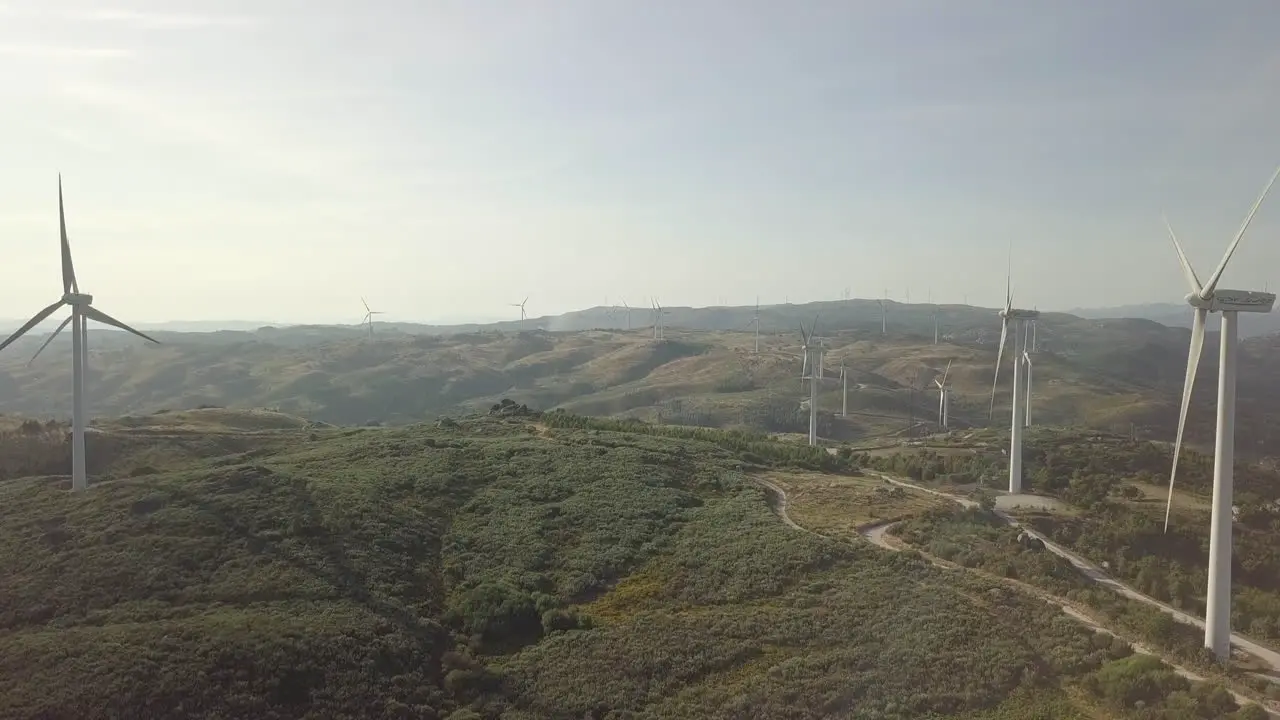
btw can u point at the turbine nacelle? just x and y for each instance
(77, 299)
(1016, 314)
(1233, 301)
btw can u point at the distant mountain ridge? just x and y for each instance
(773, 318)
(1179, 316)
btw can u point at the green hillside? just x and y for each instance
(495, 568)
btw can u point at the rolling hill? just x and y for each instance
(1112, 374)
(504, 567)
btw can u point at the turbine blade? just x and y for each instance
(52, 335)
(1004, 334)
(1187, 271)
(946, 373)
(34, 321)
(365, 304)
(68, 268)
(1217, 274)
(1008, 279)
(96, 314)
(1193, 362)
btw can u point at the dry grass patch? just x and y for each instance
(836, 504)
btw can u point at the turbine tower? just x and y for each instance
(1025, 359)
(659, 329)
(884, 314)
(844, 391)
(935, 325)
(944, 398)
(368, 316)
(1018, 318)
(82, 311)
(755, 320)
(810, 373)
(1205, 299)
(628, 312)
(522, 314)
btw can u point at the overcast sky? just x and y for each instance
(278, 159)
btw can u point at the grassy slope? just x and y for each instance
(1102, 374)
(495, 569)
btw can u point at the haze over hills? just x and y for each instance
(1120, 375)
(708, 317)
(1179, 315)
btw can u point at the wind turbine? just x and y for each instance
(755, 320)
(844, 390)
(808, 373)
(368, 316)
(944, 398)
(884, 314)
(1205, 299)
(1026, 362)
(1018, 318)
(627, 313)
(658, 327)
(82, 311)
(522, 314)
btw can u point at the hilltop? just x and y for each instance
(507, 566)
(1118, 375)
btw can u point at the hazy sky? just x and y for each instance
(278, 159)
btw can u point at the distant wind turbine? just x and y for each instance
(659, 328)
(755, 320)
(82, 311)
(1018, 318)
(368, 316)
(628, 312)
(1205, 299)
(944, 398)
(522, 314)
(844, 391)
(809, 373)
(884, 313)
(1026, 363)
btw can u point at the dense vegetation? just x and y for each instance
(976, 538)
(1119, 484)
(508, 568)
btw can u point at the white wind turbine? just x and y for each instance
(1205, 299)
(809, 347)
(1019, 318)
(844, 391)
(522, 314)
(1027, 364)
(368, 316)
(884, 314)
(659, 328)
(627, 310)
(82, 311)
(944, 398)
(755, 320)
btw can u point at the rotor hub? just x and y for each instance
(77, 299)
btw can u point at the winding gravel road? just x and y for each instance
(877, 535)
(1095, 573)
